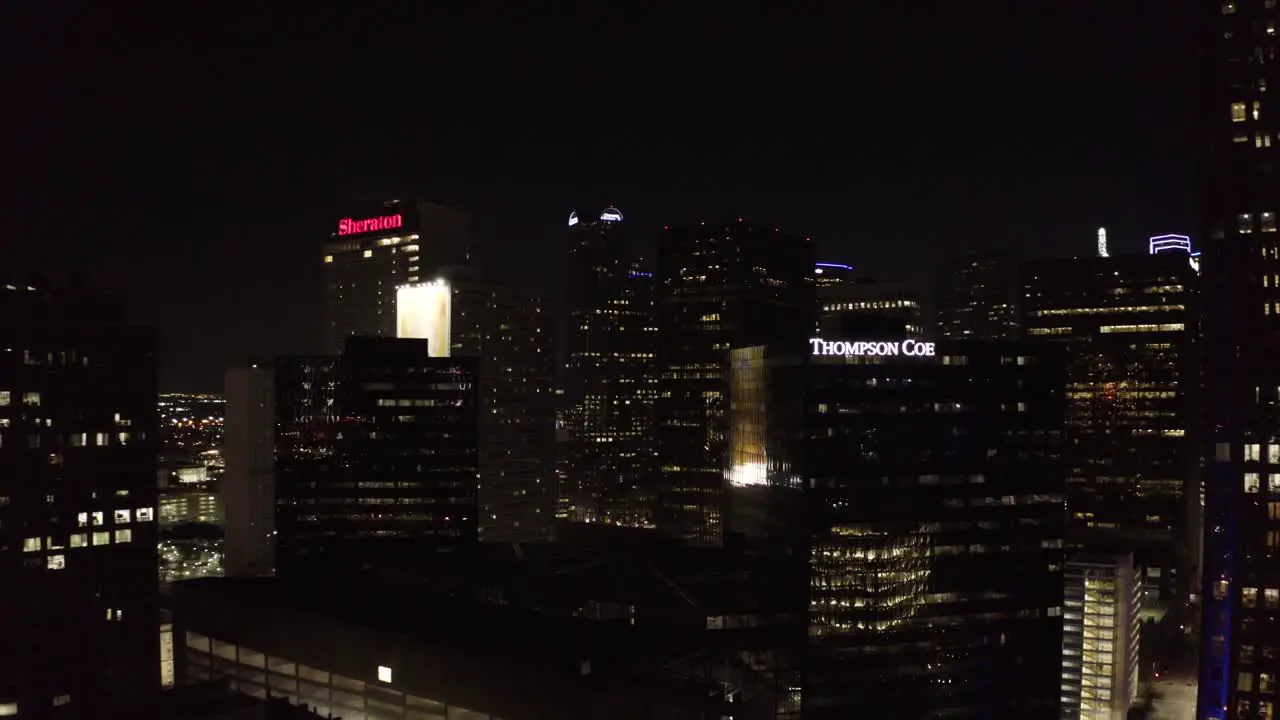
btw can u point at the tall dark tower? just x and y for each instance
(721, 287)
(1240, 656)
(79, 596)
(609, 384)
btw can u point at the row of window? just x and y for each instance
(76, 540)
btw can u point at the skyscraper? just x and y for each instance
(369, 255)
(922, 489)
(1130, 327)
(721, 286)
(79, 440)
(1240, 262)
(853, 301)
(248, 485)
(376, 456)
(609, 384)
(976, 298)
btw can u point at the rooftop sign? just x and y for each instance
(347, 226)
(861, 348)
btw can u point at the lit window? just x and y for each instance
(123, 516)
(1272, 597)
(60, 700)
(1252, 452)
(1222, 452)
(1245, 223)
(100, 439)
(1252, 482)
(1249, 597)
(5, 398)
(328, 258)
(145, 514)
(1268, 222)
(102, 538)
(384, 674)
(1238, 112)
(368, 253)
(31, 398)
(1262, 140)
(1229, 7)
(56, 562)
(124, 536)
(99, 518)
(1257, 109)
(79, 439)
(82, 519)
(79, 540)
(31, 545)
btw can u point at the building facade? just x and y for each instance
(720, 286)
(248, 485)
(370, 255)
(609, 382)
(852, 302)
(923, 488)
(509, 334)
(1240, 262)
(977, 298)
(79, 441)
(1100, 640)
(1129, 325)
(377, 456)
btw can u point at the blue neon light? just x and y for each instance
(834, 265)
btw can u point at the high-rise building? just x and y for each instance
(79, 440)
(922, 487)
(609, 382)
(248, 485)
(370, 255)
(1240, 262)
(1100, 638)
(721, 286)
(855, 302)
(977, 298)
(509, 335)
(1130, 327)
(376, 455)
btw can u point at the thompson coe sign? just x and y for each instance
(859, 348)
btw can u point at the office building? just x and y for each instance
(855, 302)
(977, 298)
(720, 286)
(79, 439)
(1130, 327)
(248, 485)
(925, 497)
(376, 456)
(371, 254)
(509, 334)
(1100, 639)
(1240, 262)
(609, 382)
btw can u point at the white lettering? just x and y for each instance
(864, 348)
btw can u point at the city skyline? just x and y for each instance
(207, 215)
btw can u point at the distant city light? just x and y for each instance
(1102, 243)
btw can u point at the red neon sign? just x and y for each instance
(347, 226)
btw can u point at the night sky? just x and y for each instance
(196, 162)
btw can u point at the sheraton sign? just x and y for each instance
(347, 226)
(861, 348)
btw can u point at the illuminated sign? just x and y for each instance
(1168, 243)
(612, 214)
(861, 348)
(347, 226)
(425, 312)
(573, 219)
